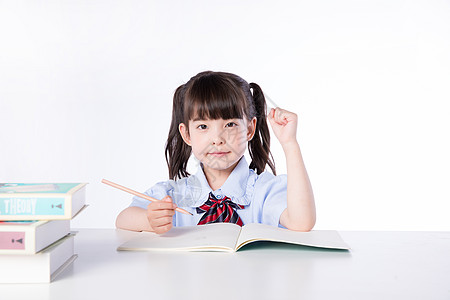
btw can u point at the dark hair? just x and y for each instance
(218, 95)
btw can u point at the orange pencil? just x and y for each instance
(117, 186)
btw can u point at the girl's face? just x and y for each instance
(218, 144)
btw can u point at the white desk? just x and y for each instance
(381, 265)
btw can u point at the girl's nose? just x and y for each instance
(218, 137)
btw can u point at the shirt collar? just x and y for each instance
(234, 187)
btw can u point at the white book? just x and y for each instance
(228, 237)
(29, 237)
(41, 267)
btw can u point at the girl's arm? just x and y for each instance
(300, 213)
(133, 218)
(156, 218)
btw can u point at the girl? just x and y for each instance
(215, 116)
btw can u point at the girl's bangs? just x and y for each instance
(214, 98)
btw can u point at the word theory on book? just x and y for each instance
(20, 206)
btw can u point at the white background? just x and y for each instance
(86, 90)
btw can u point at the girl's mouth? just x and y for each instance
(218, 153)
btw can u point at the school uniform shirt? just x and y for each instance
(263, 196)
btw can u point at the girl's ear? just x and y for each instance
(251, 129)
(184, 133)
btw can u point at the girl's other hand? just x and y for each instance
(160, 213)
(284, 125)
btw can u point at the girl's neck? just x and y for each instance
(216, 178)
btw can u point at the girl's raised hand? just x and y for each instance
(284, 125)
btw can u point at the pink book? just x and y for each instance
(30, 237)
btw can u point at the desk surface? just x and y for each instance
(381, 265)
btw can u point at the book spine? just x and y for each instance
(32, 206)
(12, 240)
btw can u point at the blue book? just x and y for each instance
(41, 201)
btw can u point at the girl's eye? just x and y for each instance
(231, 124)
(202, 126)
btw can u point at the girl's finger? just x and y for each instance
(164, 212)
(162, 221)
(279, 116)
(163, 229)
(161, 205)
(270, 114)
(167, 199)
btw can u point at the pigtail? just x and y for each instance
(177, 151)
(259, 146)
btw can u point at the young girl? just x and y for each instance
(215, 116)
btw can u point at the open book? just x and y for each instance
(229, 237)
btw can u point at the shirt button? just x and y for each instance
(219, 196)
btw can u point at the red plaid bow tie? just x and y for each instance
(219, 210)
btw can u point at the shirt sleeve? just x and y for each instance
(158, 191)
(273, 190)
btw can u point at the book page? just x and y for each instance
(315, 238)
(210, 237)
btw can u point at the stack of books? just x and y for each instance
(36, 243)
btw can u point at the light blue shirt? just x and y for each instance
(264, 196)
